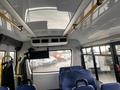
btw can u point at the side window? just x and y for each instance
(103, 63)
(118, 52)
(105, 69)
(9, 26)
(12, 54)
(89, 63)
(56, 60)
(0, 21)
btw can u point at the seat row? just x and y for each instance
(22, 87)
(77, 78)
(74, 78)
(109, 86)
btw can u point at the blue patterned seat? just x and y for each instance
(26, 87)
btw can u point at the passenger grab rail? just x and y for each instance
(81, 19)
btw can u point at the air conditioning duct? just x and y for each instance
(49, 41)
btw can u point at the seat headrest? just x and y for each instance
(76, 68)
(64, 69)
(72, 68)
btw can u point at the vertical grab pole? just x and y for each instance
(115, 60)
(82, 59)
(95, 64)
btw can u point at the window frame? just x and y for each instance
(113, 54)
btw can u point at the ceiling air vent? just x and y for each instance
(63, 39)
(49, 41)
(44, 40)
(36, 41)
(54, 40)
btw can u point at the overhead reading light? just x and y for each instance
(75, 26)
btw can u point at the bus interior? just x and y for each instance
(59, 45)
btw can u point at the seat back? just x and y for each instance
(68, 80)
(63, 70)
(4, 88)
(68, 77)
(72, 68)
(25, 87)
(86, 74)
(110, 86)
